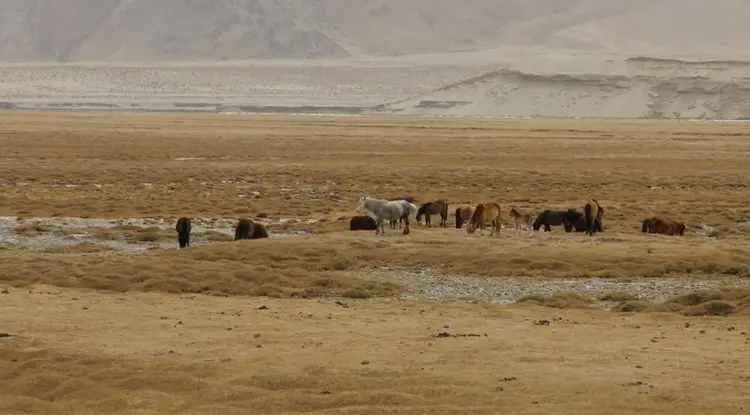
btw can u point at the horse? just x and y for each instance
(432, 208)
(522, 220)
(592, 211)
(362, 223)
(387, 210)
(183, 228)
(550, 218)
(409, 199)
(463, 214)
(663, 226)
(577, 222)
(247, 229)
(483, 213)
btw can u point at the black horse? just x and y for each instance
(183, 228)
(363, 223)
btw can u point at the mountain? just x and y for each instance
(189, 30)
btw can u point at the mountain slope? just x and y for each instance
(148, 30)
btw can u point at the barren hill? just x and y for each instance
(147, 30)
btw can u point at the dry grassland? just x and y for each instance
(83, 352)
(159, 346)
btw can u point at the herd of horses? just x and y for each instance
(398, 210)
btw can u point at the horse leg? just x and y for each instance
(406, 227)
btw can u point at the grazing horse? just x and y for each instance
(483, 213)
(363, 223)
(524, 220)
(183, 228)
(433, 208)
(663, 226)
(578, 223)
(247, 229)
(550, 218)
(463, 214)
(592, 212)
(387, 210)
(393, 222)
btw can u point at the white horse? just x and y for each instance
(387, 210)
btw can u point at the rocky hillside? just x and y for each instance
(149, 30)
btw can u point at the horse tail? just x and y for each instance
(644, 226)
(459, 218)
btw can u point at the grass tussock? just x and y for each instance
(322, 264)
(699, 303)
(81, 248)
(558, 300)
(33, 229)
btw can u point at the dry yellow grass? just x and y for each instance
(111, 352)
(83, 352)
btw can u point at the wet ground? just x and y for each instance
(61, 231)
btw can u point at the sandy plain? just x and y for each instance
(254, 326)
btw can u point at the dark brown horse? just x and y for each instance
(463, 214)
(363, 223)
(183, 228)
(247, 229)
(592, 211)
(434, 208)
(400, 221)
(663, 226)
(550, 218)
(578, 223)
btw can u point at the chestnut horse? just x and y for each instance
(663, 226)
(247, 229)
(433, 208)
(592, 212)
(485, 212)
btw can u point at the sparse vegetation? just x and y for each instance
(310, 353)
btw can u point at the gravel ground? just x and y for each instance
(428, 284)
(76, 231)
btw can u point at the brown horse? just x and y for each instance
(463, 214)
(550, 218)
(592, 212)
(183, 228)
(663, 226)
(522, 220)
(247, 229)
(433, 208)
(485, 212)
(578, 223)
(400, 220)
